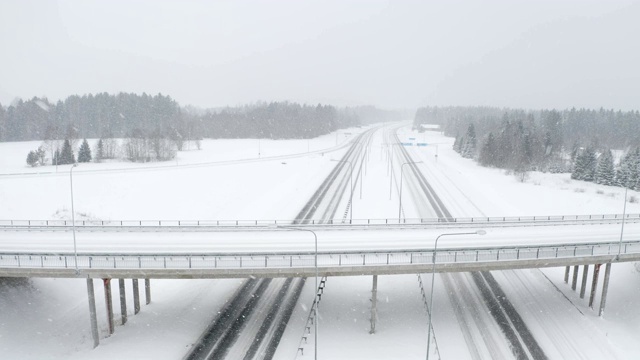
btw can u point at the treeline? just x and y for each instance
(370, 114)
(130, 115)
(90, 116)
(609, 128)
(599, 167)
(155, 127)
(65, 156)
(576, 141)
(276, 120)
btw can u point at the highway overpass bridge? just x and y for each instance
(276, 249)
(279, 249)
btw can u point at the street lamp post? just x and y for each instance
(624, 213)
(315, 300)
(433, 276)
(351, 187)
(400, 204)
(73, 217)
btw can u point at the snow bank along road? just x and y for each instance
(251, 324)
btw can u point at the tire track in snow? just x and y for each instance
(458, 310)
(553, 336)
(474, 307)
(524, 344)
(441, 211)
(236, 335)
(550, 319)
(512, 326)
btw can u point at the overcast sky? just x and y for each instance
(393, 54)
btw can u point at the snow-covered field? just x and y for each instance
(48, 318)
(224, 180)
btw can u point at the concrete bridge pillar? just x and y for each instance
(93, 313)
(108, 303)
(123, 301)
(566, 274)
(594, 284)
(374, 304)
(147, 290)
(575, 277)
(585, 272)
(136, 297)
(605, 288)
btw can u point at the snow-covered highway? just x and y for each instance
(252, 244)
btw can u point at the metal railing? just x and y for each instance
(423, 293)
(306, 260)
(602, 218)
(311, 318)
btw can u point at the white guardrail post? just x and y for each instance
(522, 220)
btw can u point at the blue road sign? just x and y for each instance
(422, 144)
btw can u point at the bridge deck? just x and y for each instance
(281, 252)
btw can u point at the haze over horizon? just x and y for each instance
(519, 54)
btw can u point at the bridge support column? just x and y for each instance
(594, 284)
(108, 302)
(374, 304)
(585, 272)
(575, 277)
(605, 288)
(136, 297)
(566, 274)
(123, 301)
(93, 313)
(147, 290)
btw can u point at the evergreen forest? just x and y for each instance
(155, 127)
(580, 141)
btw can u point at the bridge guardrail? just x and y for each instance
(336, 222)
(306, 260)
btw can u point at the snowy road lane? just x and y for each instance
(279, 241)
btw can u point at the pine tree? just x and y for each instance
(627, 175)
(634, 176)
(32, 158)
(575, 151)
(66, 155)
(590, 163)
(578, 165)
(84, 154)
(488, 152)
(99, 151)
(469, 147)
(605, 173)
(56, 158)
(456, 144)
